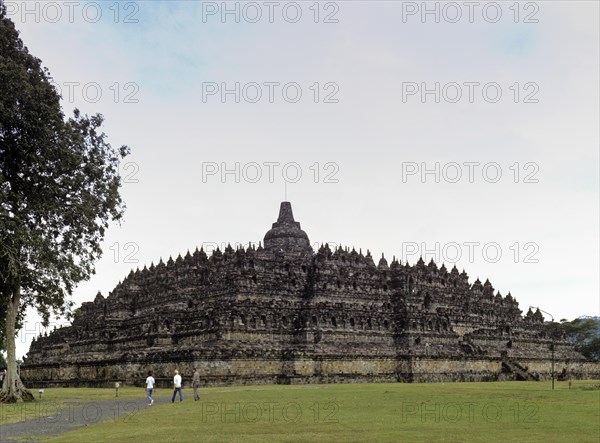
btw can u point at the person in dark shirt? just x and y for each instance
(196, 384)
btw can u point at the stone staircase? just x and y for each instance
(519, 371)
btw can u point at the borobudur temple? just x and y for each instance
(283, 313)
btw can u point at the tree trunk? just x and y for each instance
(13, 389)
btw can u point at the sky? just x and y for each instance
(463, 133)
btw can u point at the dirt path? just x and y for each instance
(49, 419)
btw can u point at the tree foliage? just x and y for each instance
(2, 350)
(583, 332)
(59, 190)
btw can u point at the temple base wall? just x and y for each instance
(301, 371)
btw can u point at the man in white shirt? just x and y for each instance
(149, 387)
(177, 387)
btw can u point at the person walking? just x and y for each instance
(149, 388)
(177, 387)
(196, 384)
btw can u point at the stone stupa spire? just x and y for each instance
(286, 234)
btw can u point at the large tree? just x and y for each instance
(59, 191)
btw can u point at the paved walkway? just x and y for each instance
(48, 419)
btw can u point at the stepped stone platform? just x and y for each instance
(283, 313)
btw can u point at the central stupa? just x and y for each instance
(286, 235)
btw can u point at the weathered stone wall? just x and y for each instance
(260, 371)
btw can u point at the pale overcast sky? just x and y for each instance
(360, 98)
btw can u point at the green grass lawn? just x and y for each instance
(435, 412)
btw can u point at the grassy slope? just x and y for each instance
(453, 412)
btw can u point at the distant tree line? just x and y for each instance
(583, 332)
